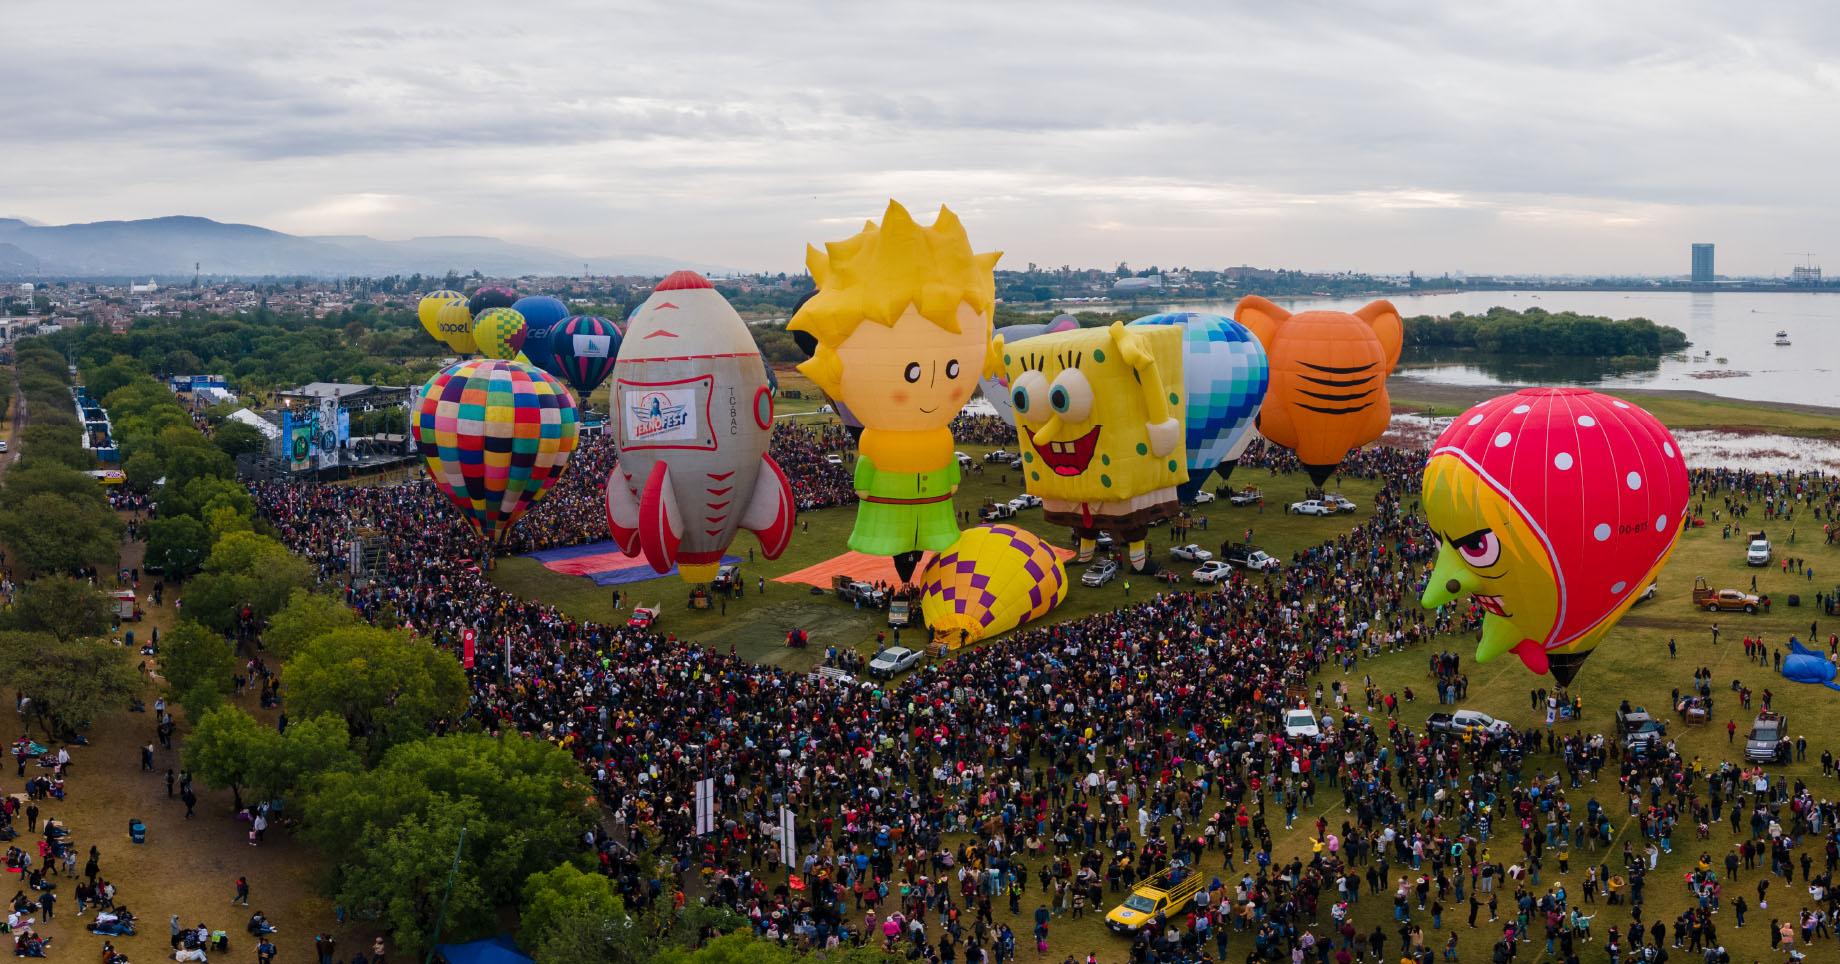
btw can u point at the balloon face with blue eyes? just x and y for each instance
(1083, 412)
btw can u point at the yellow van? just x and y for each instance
(1162, 893)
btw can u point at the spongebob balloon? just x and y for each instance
(899, 332)
(1556, 507)
(1099, 414)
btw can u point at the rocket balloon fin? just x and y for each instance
(770, 510)
(622, 512)
(660, 529)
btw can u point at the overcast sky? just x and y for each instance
(1549, 136)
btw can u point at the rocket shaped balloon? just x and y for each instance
(693, 414)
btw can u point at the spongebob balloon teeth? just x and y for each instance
(1100, 411)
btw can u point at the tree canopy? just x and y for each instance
(387, 686)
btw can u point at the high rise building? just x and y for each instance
(1702, 263)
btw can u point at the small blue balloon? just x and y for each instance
(541, 313)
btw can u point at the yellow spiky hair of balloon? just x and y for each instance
(876, 274)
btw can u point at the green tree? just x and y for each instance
(199, 663)
(386, 685)
(222, 518)
(307, 615)
(228, 749)
(55, 442)
(398, 876)
(238, 438)
(598, 939)
(65, 608)
(561, 893)
(176, 545)
(66, 684)
(60, 533)
(314, 746)
(244, 570)
(528, 801)
(143, 470)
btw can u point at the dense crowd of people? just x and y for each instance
(1054, 770)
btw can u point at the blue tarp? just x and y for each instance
(490, 950)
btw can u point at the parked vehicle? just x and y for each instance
(855, 591)
(1027, 500)
(834, 459)
(1161, 895)
(644, 617)
(727, 577)
(1464, 721)
(1100, 572)
(996, 511)
(900, 611)
(999, 456)
(1635, 728)
(1300, 724)
(1190, 553)
(1203, 497)
(1759, 552)
(964, 461)
(1722, 600)
(894, 659)
(1248, 557)
(1768, 741)
(1312, 507)
(1340, 502)
(1250, 495)
(1212, 572)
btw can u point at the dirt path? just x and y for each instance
(17, 414)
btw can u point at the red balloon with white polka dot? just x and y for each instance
(1556, 508)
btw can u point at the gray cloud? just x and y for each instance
(1482, 136)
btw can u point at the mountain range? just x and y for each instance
(170, 246)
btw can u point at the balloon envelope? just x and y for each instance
(491, 296)
(456, 324)
(1328, 377)
(1225, 374)
(583, 350)
(499, 332)
(541, 313)
(1556, 507)
(429, 307)
(494, 435)
(996, 389)
(993, 579)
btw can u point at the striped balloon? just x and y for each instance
(495, 435)
(583, 350)
(500, 332)
(430, 306)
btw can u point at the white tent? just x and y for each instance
(269, 430)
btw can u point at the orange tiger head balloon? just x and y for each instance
(1328, 377)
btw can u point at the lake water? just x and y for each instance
(1739, 327)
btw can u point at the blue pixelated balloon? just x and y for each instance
(541, 313)
(1225, 374)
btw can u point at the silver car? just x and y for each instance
(894, 659)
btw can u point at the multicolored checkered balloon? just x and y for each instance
(1225, 374)
(500, 332)
(993, 579)
(495, 435)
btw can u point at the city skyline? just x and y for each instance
(1501, 138)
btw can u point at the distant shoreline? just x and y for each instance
(1422, 392)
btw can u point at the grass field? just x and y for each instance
(757, 626)
(1633, 664)
(1677, 410)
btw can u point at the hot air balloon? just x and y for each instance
(1099, 415)
(541, 313)
(993, 579)
(1328, 378)
(1225, 373)
(583, 350)
(490, 296)
(495, 435)
(500, 333)
(693, 419)
(456, 324)
(899, 331)
(1556, 508)
(428, 308)
(996, 387)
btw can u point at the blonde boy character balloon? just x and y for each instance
(1099, 412)
(899, 331)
